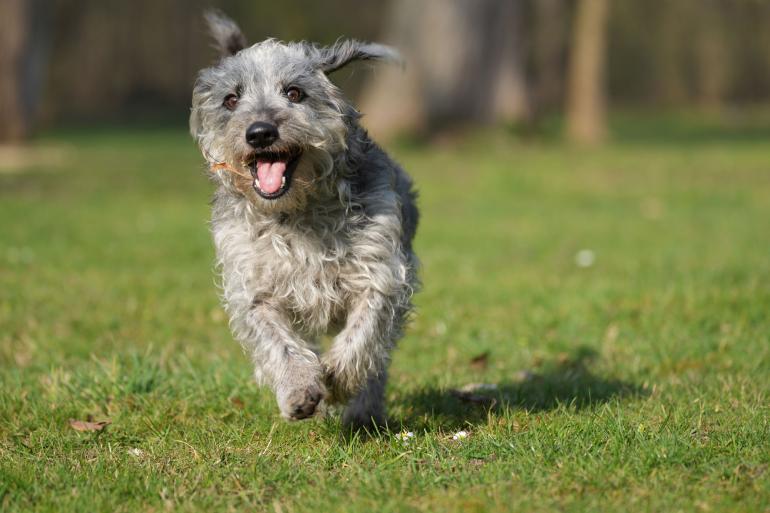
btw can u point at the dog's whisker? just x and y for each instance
(223, 166)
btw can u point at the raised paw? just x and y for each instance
(297, 403)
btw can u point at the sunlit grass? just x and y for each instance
(637, 382)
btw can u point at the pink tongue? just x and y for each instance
(270, 175)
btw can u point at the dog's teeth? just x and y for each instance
(256, 182)
(283, 181)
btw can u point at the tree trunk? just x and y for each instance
(24, 29)
(670, 51)
(711, 56)
(586, 95)
(549, 53)
(390, 100)
(14, 124)
(510, 101)
(462, 65)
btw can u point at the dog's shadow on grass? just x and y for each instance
(566, 381)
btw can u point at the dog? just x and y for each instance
(312, 222)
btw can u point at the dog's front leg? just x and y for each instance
(283, 361)
(357, 361)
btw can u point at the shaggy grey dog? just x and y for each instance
(313, 223)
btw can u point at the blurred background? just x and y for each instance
(594, 187)
(532, 66)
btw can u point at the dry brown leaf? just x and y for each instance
(237, 402)
(470, 397)
(480, 361)
(563, 359)
(86, 425)
(525, 375)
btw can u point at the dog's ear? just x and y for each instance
(343, 52)
(228, 38)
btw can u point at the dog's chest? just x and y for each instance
(305, 275)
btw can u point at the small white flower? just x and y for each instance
(460, 435)
(405, 436)
(585, 258)
(135, 452)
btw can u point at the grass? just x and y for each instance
(638, 383)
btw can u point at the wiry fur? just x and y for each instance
(331, 256)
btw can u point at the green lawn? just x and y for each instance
(640, 382)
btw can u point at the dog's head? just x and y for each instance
(271, 118)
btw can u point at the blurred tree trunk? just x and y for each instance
(586, 95)
(711, 56)
(14, 123)
(382, 114)
(510, 102)
(550, 44)
(24, 30)
(670, 80)
(463, 64)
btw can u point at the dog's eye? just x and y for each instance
(231, 100)
(294, 94)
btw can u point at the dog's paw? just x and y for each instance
(367, 419)
(300, 402)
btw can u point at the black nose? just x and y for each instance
(261, 134)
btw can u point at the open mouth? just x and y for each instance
(272, 171)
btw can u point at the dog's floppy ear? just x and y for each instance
(343, 52)
(228, 38)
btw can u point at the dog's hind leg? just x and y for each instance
(367, 408)
(282, 360)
